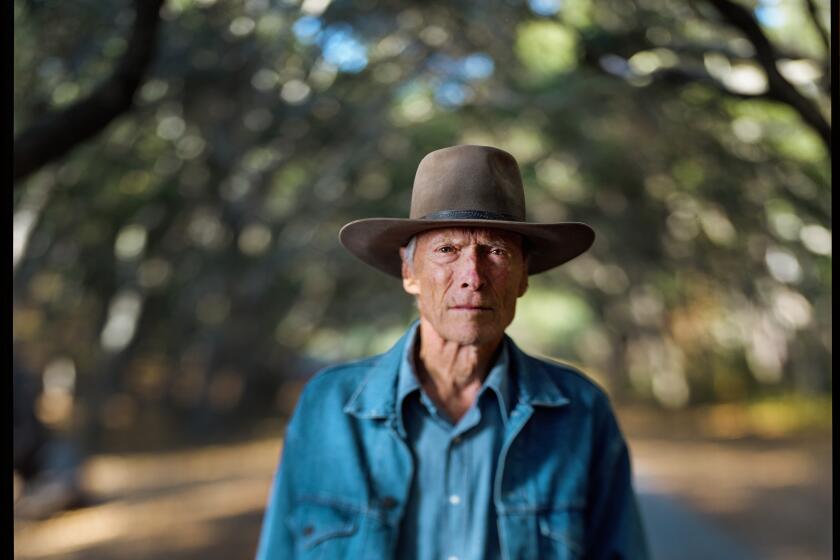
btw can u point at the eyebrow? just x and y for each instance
(448, 239)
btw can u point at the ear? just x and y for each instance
(410, 283)
(523, 283)
(526, 257)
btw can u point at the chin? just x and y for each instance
(470, 334)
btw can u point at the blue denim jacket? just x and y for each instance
(562, 487)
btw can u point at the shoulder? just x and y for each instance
(339, 381)
(324, 396)
(572, 382)
(587, 399)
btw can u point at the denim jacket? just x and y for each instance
(562, 487)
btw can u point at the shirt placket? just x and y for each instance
(457, 484)
(453, 540)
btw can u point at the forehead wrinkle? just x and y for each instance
(458, 234)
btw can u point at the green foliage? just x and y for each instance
(546, 48)
(262, 129)
(549, 320)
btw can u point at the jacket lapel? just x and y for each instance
(375, 397)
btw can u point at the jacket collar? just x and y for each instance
(535, 385)
(377, 393)
(376, 396)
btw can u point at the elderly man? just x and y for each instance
(455, 444)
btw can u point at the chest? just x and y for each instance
(535, 486)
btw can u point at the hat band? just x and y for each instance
(470, 215)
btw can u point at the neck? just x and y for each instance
(452, 373)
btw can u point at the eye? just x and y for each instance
(497, 251)
(446, 249)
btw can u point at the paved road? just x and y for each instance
(677, 533)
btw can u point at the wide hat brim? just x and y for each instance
(376, 241)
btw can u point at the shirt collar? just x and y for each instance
(375, 397)
(498, 380)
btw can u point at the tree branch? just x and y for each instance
(682, 76)
(57, 133)
(701, 48)
(815, 18)
(778, 87)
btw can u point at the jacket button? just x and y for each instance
(308, 530)
(388, 502)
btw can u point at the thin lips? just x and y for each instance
(468, 306)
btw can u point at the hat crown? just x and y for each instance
(468, 178)
(465, 186)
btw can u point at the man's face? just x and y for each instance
(467, 282)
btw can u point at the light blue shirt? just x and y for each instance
(450, 513)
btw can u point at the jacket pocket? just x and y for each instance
(561, 534)
(323, 528)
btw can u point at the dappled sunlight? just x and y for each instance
(430, 65)
(157, 502)
(166, 523)
(177, 274)
(123, 313)
(748, 477)
(167, 504)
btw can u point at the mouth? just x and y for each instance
(471, 308)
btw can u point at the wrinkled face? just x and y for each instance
(467, 281)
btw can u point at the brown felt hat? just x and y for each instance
(465, 186)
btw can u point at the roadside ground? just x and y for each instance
(771, 494)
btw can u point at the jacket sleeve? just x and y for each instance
(614, 528)
(276, 539)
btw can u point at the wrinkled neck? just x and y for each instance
(451, 373)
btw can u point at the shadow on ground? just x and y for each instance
(677, 532)
(701, 498)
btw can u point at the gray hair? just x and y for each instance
(408, 257)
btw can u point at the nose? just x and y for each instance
(470, 271)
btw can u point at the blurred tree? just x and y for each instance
(186, 258)
(56, 133)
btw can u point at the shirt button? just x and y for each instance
(388, 502)
(456, 439)
(454, 499)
